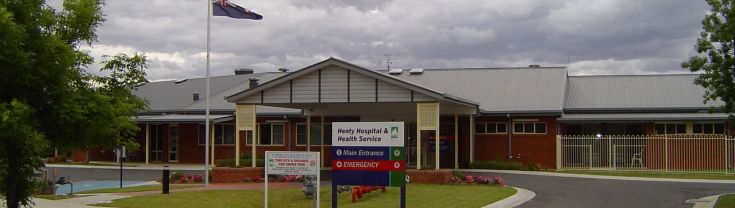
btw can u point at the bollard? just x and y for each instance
(165, 180)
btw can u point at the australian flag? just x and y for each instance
(225, 8)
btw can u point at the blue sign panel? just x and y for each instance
(361, 153)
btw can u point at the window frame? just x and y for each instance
(217, 127)
(712, 126)
(533, 125)
(307, 136)
(655, 128)
(283, 140)
(488, 124)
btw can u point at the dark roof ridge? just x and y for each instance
(632, 75)
(479, 68)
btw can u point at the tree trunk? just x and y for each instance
(12, 184)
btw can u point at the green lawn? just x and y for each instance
(726, 201)
(650, 174)
(418, 195)
(138, 188)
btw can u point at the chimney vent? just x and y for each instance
(416, 71)
(243, 71)
(283, 69)
(195, 97)
(253, 82)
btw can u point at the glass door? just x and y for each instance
(173, 145)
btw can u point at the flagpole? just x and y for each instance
(206, 121)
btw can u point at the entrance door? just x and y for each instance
(173, 146)
(156, 142)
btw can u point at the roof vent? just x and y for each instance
(195, 97)
(534, 66)
(283, 69)
(416, 71)
(243, 71)
(395, 71)
(253, 82)
(180, 81)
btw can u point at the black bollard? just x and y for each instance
(166, 178)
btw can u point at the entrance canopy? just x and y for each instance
(329, 86)
(337, 88)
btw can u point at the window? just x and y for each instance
(671, 128)
(315, 134)
(270, 134)
(224, 134)
(708, 128)
(529, 128)
(491, 128)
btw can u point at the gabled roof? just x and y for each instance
(668, 92)
(174, 95)
(353, 68)
(499, 90)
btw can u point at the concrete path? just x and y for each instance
(566, 191)
(77, 202)
(521, 196)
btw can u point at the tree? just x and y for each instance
(48, 99)
(716, 59)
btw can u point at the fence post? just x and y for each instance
(666, 153)
(609, 152)
(724, 140)
(558, 152)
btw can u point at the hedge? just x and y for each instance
(496, 165)
(243, 162)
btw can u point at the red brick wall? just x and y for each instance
(235, 175)
(526, 148)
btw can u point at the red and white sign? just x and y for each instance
(368, 165)
(291, 163)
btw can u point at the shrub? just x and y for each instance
(243, 162)
(175, 176)
(532, 166)
(496, 165)
(497, 180)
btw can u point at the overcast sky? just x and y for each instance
(595, 36)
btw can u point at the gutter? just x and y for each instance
(510, 137)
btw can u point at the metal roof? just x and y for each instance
(172, 96)
(635, 92)
(184, 118)
(358, 69)
(218, 101)
(499, 90)
(644, 117)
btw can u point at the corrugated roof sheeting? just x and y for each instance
(169, 95)
(183, 118)
(643, 117)
(635, 92)
(499, 89)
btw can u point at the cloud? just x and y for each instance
(598, 36)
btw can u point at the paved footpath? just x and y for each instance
(571, 190)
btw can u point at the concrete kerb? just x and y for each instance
(571, 175)
(706, 202)
(521, 196)
(192, 168)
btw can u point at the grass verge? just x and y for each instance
(417, 195)
(138, 189)
(713, 176)
(726, 201)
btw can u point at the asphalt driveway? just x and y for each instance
(566, 192)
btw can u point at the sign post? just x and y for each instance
(291, 163)
(368, 153)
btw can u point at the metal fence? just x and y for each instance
(680, 153)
